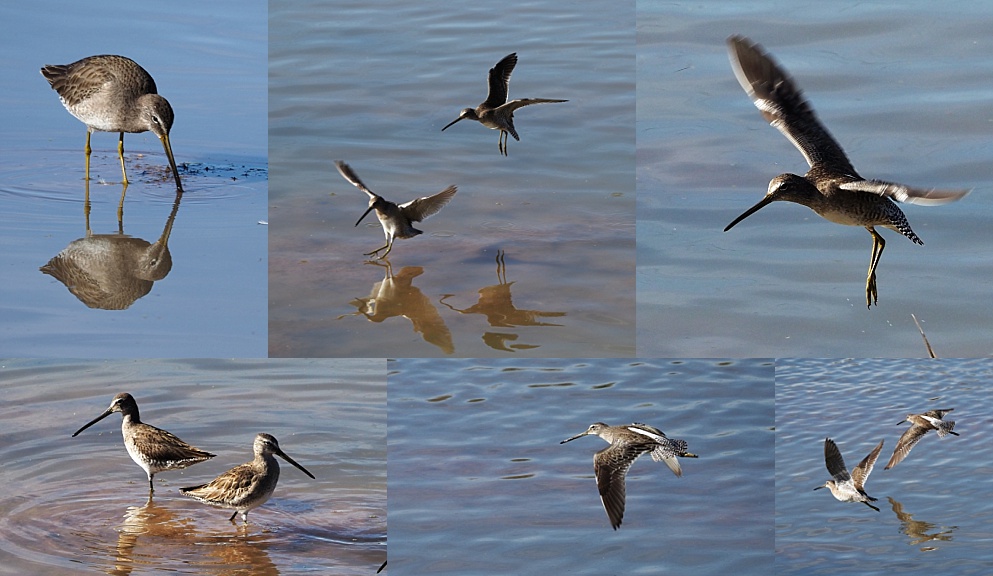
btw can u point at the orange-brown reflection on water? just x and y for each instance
(80, 504)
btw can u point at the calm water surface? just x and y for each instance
(209, 61)
(79, 504)
(373, 84)
(905, 90)
(479, 483)
(935, 506)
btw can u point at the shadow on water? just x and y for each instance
(112, 271)
(921, 533)
(496, 303)
(396, 296)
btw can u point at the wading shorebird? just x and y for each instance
(113, 94)
(151, 448)
(495, 112)
(844, 486)
(627, 443)
(247, 486)
(831, 188)
(397, 220)
(920, 425)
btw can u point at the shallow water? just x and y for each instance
(905, 91)
(935, 506)
(373, 86)
(209, 61)
(80, 504)
(479, 483)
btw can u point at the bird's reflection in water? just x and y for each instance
(152, 535)
(919, 531)
(146, 525)
(395, 295)
(111, 271)
(496, 303)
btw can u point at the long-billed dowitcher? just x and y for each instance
(113, 94)
(495, 112)
(247, 486)
(151, 448)
(920, 425)
(831, 188)
(844, 486)
(397, 220)
(627, 443)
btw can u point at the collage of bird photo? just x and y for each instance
(275, 302)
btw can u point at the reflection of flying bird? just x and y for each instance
(831, 188)
(844, 486)
(113, 94)
(151, 448)
(496, 303)
(921, 424)
(395, 296)
(495, 112)
(248, 486)
(919, 530)
(627, 443)
(397, 220)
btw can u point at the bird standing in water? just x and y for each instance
(113, 94)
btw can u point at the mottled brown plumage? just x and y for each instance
(921, 424)
(495, 112)
(113, 94)
(831, 188)
(247, 486)
(627, 443)
(151, 448)
(397, 220)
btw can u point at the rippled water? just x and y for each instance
(80, 504)
(935, 506)
(903, 88)
(209, 61)
(373, 84)
(479, 483)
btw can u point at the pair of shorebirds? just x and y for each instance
(831, 188)
(496, 112)
(112, 93)
(627, 443)
(241, 488)
(850, 486)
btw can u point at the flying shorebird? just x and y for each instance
(113, 94)
(495, 112)
(920, 425)
(627, 443)
(831, 188)
(844, 486)
(397, 220)
(247, 486)
(151, 448)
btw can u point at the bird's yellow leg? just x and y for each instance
(387, 245)
(120, 152)
(87, 149)
(871, 292)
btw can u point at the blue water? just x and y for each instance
(78, 505)
(903, 88)
(210, 62)
(479, 483)
(942, 485)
